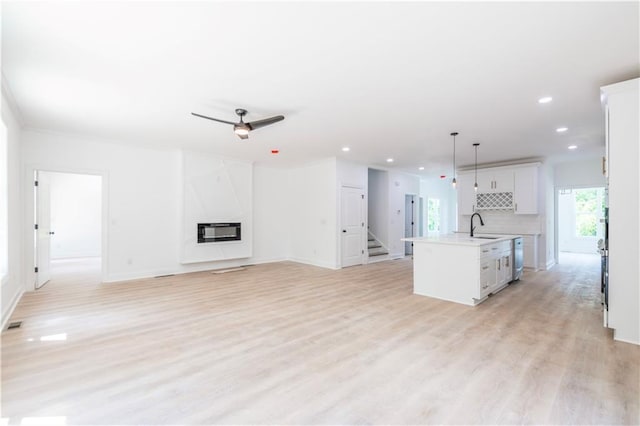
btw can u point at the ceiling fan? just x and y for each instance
(241, 128)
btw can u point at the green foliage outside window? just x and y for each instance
(433, 215)
(589, 205)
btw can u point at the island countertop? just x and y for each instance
(462, 239)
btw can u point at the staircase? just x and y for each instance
(376, 251)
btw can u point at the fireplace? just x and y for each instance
(218, 232)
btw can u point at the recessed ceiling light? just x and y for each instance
(345, 148)
(572, 146)
(545, 100)
(420, 168)
(562, 129)
(389, 160)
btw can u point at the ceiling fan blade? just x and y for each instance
(214, 119)
(265, 122)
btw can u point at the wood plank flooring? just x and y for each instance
(294, 344)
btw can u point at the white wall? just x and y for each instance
(579, 174)
(399, 185)
(216, 190)
(143, 189)
(4, 197)
(76, 215)
(12, 282)
(378, 213)
(313, 217)
(272, 207)
(546, 246)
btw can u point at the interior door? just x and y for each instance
(409, 222)
(43, 229)
(352, 222)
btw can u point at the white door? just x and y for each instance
(409, 222)
(43, 230)
(352, 222)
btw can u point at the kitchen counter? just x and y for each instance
(461, 269)
(462, 239)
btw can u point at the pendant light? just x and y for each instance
(454, 182)
(475, 185)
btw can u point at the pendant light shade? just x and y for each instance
(475, 185)
(453, 181)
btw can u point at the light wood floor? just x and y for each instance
(293, 344)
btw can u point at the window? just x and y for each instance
(433, 215)
(589, 205)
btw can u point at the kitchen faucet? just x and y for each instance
(473, 227)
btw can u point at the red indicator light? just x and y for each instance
(275, 151)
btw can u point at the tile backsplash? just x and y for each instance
(506, 222)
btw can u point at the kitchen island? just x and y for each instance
(460, 268)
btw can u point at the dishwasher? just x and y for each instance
(518, 258)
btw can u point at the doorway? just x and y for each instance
(352, 226)
(580, 222)
(68, 229)
(410, 222)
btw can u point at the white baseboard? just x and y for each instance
(12, 307)
(113, 278)
(380, 258)
(618, 339)
(550, 264)
(266, 260)
(313, 263)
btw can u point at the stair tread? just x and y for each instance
(374, 251)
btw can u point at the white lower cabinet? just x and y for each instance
(461, 270)
(487, 276)
(496, 269)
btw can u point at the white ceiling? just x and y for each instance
(385, 79)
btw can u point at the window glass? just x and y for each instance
(589, 207)
(433, 215)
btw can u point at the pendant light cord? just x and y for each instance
(476, 164)
(454, 134)
(475, 185)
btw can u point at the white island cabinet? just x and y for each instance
(458, 268)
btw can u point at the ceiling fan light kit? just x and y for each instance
(241, 128)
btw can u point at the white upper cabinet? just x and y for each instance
(492, 180)
(503, 181)
(525, 190)
(508, 188)
(466, 194)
